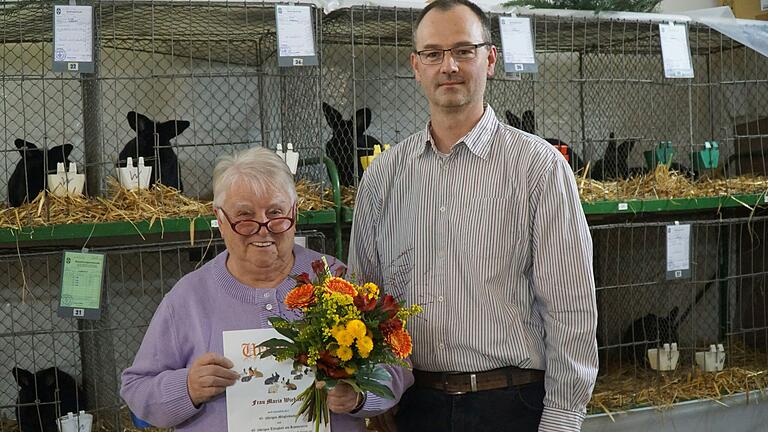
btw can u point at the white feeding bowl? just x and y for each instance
(134, 177)
(292, 159)
(712, 360)
(80, 422)
(664, 359)
(65, 183)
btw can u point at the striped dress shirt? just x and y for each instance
(491, 239)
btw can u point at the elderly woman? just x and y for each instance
(179, 375)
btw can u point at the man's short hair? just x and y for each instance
(446, 5)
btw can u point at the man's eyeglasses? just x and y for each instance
(459, 53)
(249, 227)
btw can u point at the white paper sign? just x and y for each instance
(678, 248)
(516, 40)
(674, 51)
(295, 37)
(263, 399)
(73, 27)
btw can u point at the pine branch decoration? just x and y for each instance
(595, 5)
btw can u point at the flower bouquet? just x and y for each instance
(346, 332)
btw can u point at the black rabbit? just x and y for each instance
(349, 141)
(30, 176)
(45, 396)
(613, 165)
(165, 168)
(652, 331)
(528, 124)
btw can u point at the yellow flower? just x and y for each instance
(356, 328)
(350, 369)
(344, 338)
(364, 346)
(344, 353)
(370, 289)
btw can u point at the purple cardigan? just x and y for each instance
(190, 321)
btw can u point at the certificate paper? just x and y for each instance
(295, 37)
(74, 34)
(263, 399)
(678, 251)
(675, 52)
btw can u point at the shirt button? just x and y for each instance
(440, 298)
(442, 346)
(267, 295)
(268, 306)
(442, 209)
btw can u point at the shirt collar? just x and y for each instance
(478, 140)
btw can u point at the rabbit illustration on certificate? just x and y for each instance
(263, 398)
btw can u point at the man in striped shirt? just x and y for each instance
(482, 224)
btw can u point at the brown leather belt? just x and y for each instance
(460, 383)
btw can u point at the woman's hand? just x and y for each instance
(342, 398)
(209, 376)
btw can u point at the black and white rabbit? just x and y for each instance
(30, 176)
(349, 141)
(165, 168)
(45, 396)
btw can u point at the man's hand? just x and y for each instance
(209, 376)
(342, 398)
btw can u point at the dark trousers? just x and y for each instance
(514, 409)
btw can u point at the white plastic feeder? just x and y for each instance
(65, 183)
(664, 359)
(712, 360)
(292, 159)
(279, 151)
(80, 422)
(134, 177)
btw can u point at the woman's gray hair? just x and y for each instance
(259, 167)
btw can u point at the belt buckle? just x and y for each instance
(472, 384)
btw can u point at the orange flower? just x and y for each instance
(400, 342)
(301, 296)
(339, 285)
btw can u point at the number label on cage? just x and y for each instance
(214, 223)
(295, 36)
(517, 45)
(82, 276)
(623, 206)
(675, 52)
(678, 251)
(72, 38)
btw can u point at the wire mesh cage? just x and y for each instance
(34, 338)
(641, 309)
(600, 88)
(210, 66)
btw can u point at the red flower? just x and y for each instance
(389, 306)
(329, 365)
(303, 279)
(340, 271)
(318, 267)
(390, 326)
(363, 303)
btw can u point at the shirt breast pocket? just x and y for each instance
(489, 228)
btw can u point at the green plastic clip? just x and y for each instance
(707, 158)
(662, 154)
